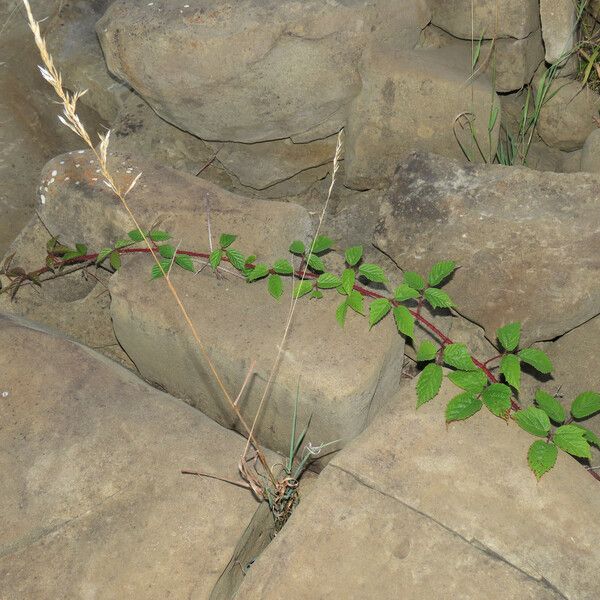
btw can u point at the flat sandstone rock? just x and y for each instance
(527, 243)
(415, 509)
(93, 501)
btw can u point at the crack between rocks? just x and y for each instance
(40, 533)
(472, 542)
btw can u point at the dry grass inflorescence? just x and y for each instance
(275, 484)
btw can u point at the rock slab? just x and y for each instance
(415, 509)
(93, 501)
(528, 244)
(342, 373)
(254, 70)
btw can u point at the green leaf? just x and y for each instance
(353, 255)
(551, 406)
(462, 407)
(414, 280)
(321, 244)
(510, 367)
(440, 271)
(318, 294)
(533, 420)
(457, 355)
(249, 260)
(572, 439)
(328, 281)
(438, 298)
(115, 260)
(166, 251)
(585, 404)
(497, 398)
(102, 255)
(260, 270)
(275, 286)
(405, 292)
(348, 280)
(302, 288)
(315, 263)
(372, 272)
(82, 249)
(356, 302)
(283, 267)
(122, 244)
(185, 262)
(541, 457)
(378, 309)
(537, 359)
(405, 322)
(297, 247)
(589, 435)
(215, 258)
(236, 258)
(226, 240)
(470, 381)
(136, 235)
(509, 336)
(159, 236)
(156, 270)
(429, 383)
(70, 254)
(427, 351)
(340, 313)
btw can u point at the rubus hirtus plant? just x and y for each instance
(481, 387)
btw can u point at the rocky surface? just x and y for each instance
(413, 505)
(559, 20)
(567, 117)
(94, 503)
(30, 134)
(240, 58)
(488, 18)
(240, 323)
(590, 155)
(398, 109)
(576, 370)
(510, 63)
(74, 45)
(527, 243)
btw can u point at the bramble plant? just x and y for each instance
(547, 420)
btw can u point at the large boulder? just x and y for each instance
(510, 63)
(414, 101)
(252, 70)
(489, 19)
(94, 504)
(418, 509)
(559, 25)
(527, 243)
(341, 374)
(75, 48)
(568, 116)
(590, 155)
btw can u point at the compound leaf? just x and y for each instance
(533, 420)
(541, 457)
(378, 309)
(585, 404)
(571, 438)
(457, 355)
(462, 407)
(551, 406)
(440, 271)
(429, 383)
(509, 336)
(537, 359)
